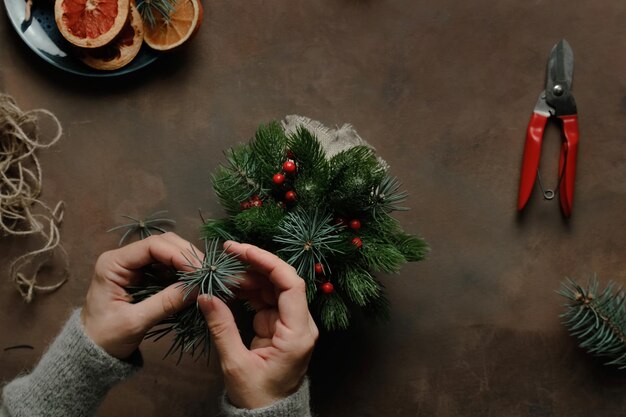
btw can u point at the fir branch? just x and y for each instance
(354, 173)
(387, 196)
(413, 248)
(259, 224)
(235, 182)
(309, 155)
(270, 149)
(305, 240)
(334, 312)
(381, 256)
(359, 285)
(597, 318)
(217, 273)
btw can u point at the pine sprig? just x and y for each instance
(387, 197)
(597, 318)
(145, 227)
(236, 182)
(150, 10)
(217, 273)
(307, 239)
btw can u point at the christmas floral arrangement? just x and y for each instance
(320, 199)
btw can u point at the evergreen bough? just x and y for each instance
(315, 228)
(597, 318)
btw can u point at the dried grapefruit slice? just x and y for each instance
(182, 24)
(90, 23)
(122, 49)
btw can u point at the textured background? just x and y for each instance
(444, 90)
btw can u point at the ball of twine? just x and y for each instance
(22, 213)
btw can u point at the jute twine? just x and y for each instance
(22, 213)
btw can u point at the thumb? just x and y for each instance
(223, 329)
(162, 305)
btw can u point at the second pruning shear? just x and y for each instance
(555, 101)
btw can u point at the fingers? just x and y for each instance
(161, 305)
(168, 249)
(223, 329)
(292, 303)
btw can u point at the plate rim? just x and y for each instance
(95, 74)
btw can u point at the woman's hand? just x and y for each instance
(277, 361)
(108, 317)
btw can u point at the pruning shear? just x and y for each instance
(555, 101)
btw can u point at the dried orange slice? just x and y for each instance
(122, 49)
(90, 23)
(182, 24)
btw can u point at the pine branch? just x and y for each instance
(387, 196)
(306, 239)
(359, 285)
(219, 271)
(151, 9)
(333, 312)
(270, 149)
(145, 227)
(597, 318)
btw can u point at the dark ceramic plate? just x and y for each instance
(42, 36)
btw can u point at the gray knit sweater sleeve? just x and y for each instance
(71, 379)
(296, 405)
(75, 374)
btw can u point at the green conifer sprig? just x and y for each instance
(597, 318)
(215, 274)
(145, 227)
(306, 240)
(387, 196)
(150, 9)
(218, 272)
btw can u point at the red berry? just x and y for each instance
(327, 288)
(290, 196)
(278, 179)
(355, 224)
(289, 167)
(290, 154)
(256, 203)
(319, 269)
(245, 205)
(357, 242)
(256, 198)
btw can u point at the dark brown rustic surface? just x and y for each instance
(444, 90)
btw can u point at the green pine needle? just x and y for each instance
(333, 312)
(387, 196)
(146, 227)
(359, 285)
(218, 272)
(306, 239)
(150, 9)
(597, 319)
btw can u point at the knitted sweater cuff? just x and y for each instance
(296, 405)
(71, 379)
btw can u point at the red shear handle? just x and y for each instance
(532, 152)
(569, 152)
